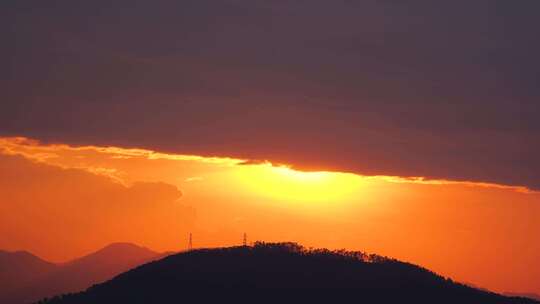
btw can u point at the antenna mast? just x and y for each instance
(190, 244)
(245, 239)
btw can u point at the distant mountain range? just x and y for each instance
(20, 268)
(26, 278)
(281, 273)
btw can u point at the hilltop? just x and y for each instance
(284, 272)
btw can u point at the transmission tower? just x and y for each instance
(245, 239)
(190, 243)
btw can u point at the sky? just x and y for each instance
(408, 129)
(61, 201)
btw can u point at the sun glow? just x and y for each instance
(288, 185)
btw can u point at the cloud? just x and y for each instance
(96, 160)
(444, 91)
(63, 213)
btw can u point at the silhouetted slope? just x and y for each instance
(19, 268)
(523, 294)
(81, 273)
(283, 273)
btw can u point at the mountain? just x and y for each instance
(280, 273)
(21, 267)
(523, 294)
(78, 274)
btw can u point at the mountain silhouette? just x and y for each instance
(280, 273)
(46, 279)
(523, 294)
(21, 267)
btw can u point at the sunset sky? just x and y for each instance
(408, 129)
(62, 201)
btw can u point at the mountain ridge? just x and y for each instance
(21, 267)
(72, 276)
(285, 271)
(529, 295)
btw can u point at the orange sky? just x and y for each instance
(61, 202)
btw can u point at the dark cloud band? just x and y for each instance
(442, 90)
